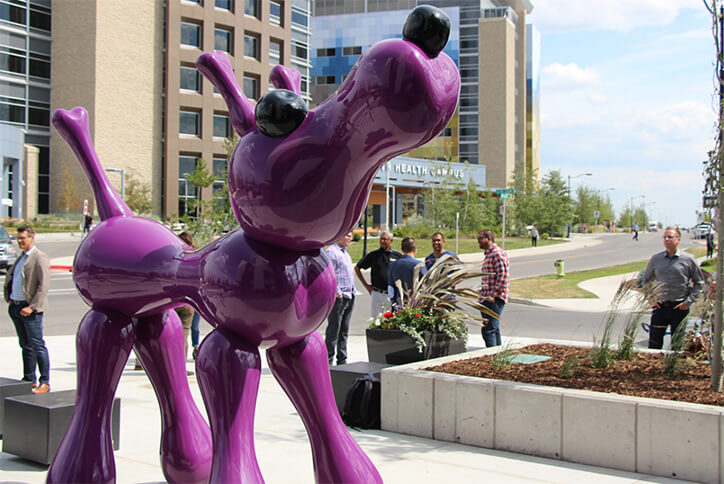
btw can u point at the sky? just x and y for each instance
(627, 94)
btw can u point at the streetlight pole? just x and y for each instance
(570, 224)
(123, 180)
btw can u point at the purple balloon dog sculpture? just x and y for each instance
(298, 180)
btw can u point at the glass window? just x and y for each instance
(324, 80)
(186, 165)
(39, 116)
(299, 51)
(219, 167)
(251, 87)
(222, 40)
(221, 126)
(39, 18)
(300, 18)
(357, 50)
(11, 110)
(12, 61)
(190, 34)
(327, 52)
(275, 13)
(223, 4)
(12, 13)
(251, 46)
(275, 52)
(39, 65)
(251, 7)
(189, 79)
(189, 123)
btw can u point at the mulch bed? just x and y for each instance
(643, 376)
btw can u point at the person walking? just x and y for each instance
(710, 244)
(26, 290)
(87, 223)
(534, 237)
(680, 280)
(494, 287)
(403, 270)
(338, 321)
(635, 230)
(378, 261)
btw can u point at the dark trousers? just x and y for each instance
(30, 336)
(661, 318)
(491, 331)
(195, 323)
(534, 241)
(338, 329)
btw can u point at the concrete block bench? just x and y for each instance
(11, 388)
(34, 424)
(344, 375)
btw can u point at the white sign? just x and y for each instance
(8, 202)
(596, 214)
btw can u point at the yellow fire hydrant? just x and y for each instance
(560, 265)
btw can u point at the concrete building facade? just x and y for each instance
(131, 64)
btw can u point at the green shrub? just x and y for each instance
(356, 237)
(545, 236)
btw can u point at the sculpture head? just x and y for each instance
(300, 178)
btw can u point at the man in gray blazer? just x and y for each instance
(26, 290)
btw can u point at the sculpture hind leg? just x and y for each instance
(103, 344)
(303, 372)
(185, 438)
(229, 369)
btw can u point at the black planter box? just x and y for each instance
(396, 347)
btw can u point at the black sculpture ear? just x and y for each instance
(279, 112)
(428, 28)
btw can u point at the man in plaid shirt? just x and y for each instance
(338, 320)
(495, 285)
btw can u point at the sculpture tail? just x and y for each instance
(74, 128)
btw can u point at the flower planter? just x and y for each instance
(396, 347)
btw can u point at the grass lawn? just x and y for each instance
(552, 287)
(424, 246)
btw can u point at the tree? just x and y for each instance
(714, 172)
(138, 195)
(554, 207)
(68, 199)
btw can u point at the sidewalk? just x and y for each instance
(281, 442)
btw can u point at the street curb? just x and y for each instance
(527, 302)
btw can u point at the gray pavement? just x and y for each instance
(281, 442)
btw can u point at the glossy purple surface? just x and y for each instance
(268, 285)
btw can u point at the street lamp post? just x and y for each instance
(123, 180)
(570, 224)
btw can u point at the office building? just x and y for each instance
(131, 65)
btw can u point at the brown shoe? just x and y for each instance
(42, 388)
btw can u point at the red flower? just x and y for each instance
(417, 315)
(387, 315)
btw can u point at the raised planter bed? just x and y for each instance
(660, 437)
(395, 347)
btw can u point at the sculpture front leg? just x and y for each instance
(185, 438)
(228, 369)
(103, 344)
(303, 372)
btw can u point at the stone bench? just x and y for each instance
(34, 425)
(11, 388)
(344, 375)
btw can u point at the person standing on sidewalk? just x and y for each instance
(534, 237)
(403, 270)
(338, 320)
(438, 249)
(378, 261)
(680, 280)
(26, 290)
(494, 287)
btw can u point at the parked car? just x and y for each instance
(701, 230)
(8, 250)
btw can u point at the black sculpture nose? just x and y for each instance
(428, 28)
(279, 112)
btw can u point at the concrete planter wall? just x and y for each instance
(660, 437)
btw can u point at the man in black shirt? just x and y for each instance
(378, 260)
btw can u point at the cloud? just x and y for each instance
(620, 15)
(569, 76)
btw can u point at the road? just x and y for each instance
(67, 308)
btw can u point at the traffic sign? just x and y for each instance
(504, 195)
(596, 214)
(502, 191)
